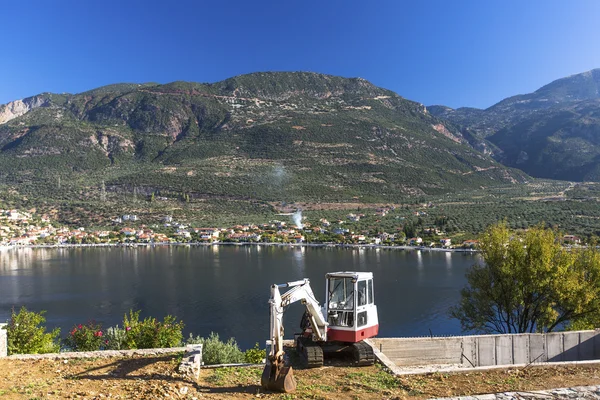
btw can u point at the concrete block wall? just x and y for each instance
(3, 341)
(191, 361)
(488, 350)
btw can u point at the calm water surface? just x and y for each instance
(225, 288)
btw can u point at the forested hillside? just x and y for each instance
(263, 136)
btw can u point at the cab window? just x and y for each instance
(362, 293)
(341, 294)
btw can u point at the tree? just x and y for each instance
(400, 237)
(409, 230)
(529, 283)
(581, 288)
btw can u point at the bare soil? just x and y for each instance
(329, 206)
(156, 377)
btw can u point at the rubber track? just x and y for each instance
(314, 356)
(311, 353)
(363, 354)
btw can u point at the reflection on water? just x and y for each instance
(448, 260)
(225, 288)
(299, 254)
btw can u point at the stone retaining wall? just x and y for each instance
(488, 350)
(99, 354)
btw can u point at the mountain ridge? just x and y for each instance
(549, 133)
(337, 139)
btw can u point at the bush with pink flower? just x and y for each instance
(136, 333)
(88, 337)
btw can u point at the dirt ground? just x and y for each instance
(328, 206)
(156, 377)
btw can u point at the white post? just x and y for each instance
(3, 341)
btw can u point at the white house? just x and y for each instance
(446, 242)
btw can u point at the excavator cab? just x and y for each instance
(350, 307)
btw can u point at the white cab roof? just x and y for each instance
(351, 274)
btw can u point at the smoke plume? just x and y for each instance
(297, 217)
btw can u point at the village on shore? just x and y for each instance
(25, 228)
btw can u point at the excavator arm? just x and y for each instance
(276, 376)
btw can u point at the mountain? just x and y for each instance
(553, 132)
(268, 136)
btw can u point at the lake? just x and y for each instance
(225, 289)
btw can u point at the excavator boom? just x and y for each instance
(276, 376)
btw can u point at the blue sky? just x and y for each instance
(456, 53)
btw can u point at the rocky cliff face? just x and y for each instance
(17, 108)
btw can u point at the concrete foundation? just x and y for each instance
(490, 350)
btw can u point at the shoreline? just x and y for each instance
(290, 245)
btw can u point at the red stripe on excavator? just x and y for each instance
(352, 336)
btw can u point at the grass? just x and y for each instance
(315, 384)
(235, 376)
(312, 384)
(373, 382)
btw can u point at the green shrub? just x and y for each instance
(87, 337)
(151, 333)
(255, 355)
(27, 334)
(115, 338)
(214, 351)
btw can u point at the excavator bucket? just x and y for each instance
(278, 378)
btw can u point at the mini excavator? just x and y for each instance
(339, 327)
